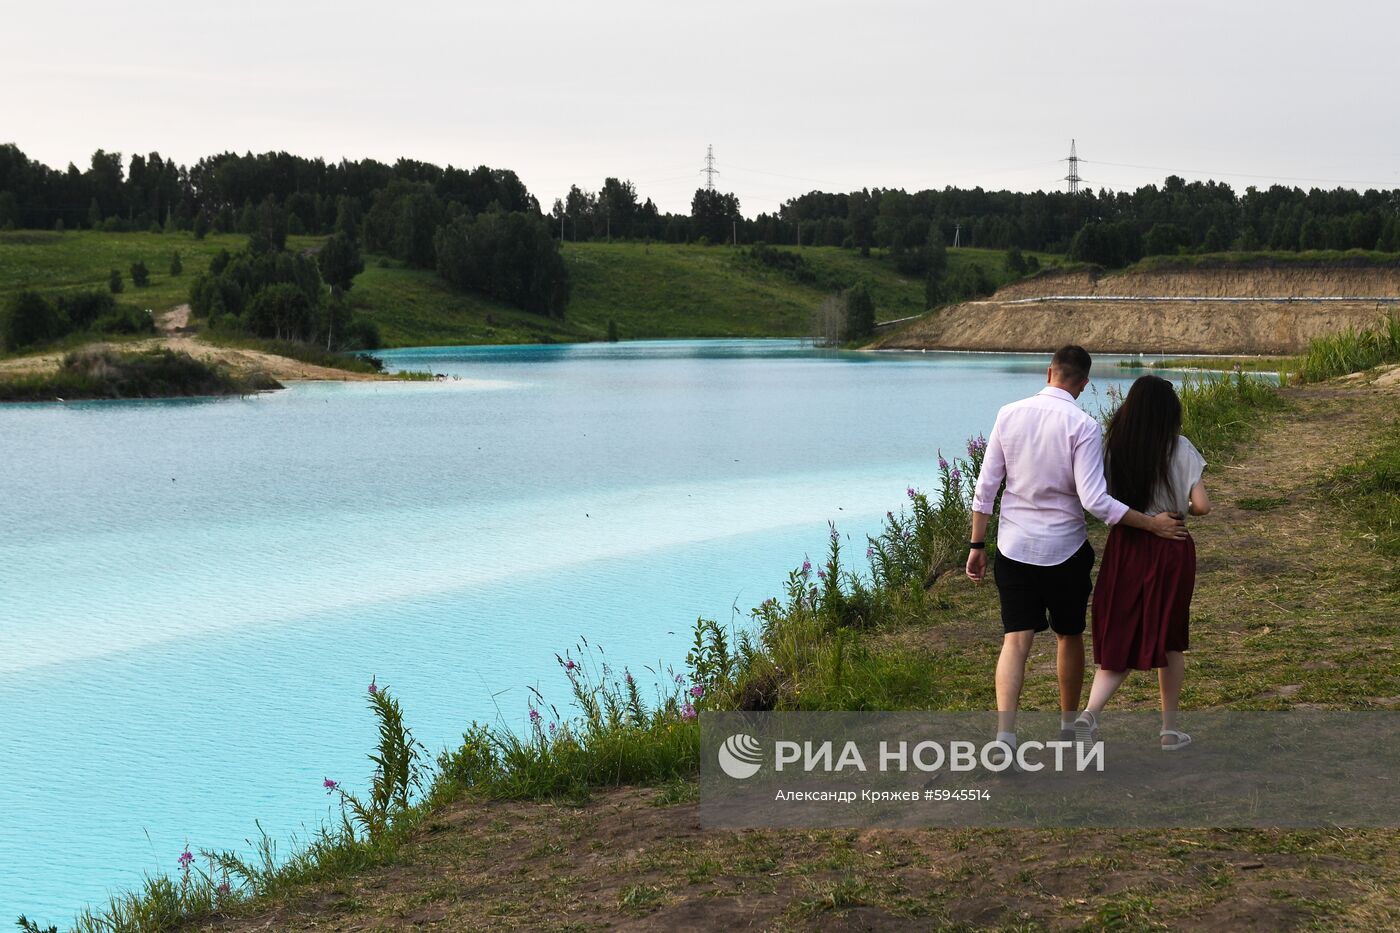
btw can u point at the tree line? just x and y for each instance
(400, 207)
(1110, 228)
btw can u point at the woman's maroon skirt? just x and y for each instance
(1142, 599)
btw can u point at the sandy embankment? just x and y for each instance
(1247, 310)
(174, 333)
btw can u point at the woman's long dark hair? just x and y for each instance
(1140, 439)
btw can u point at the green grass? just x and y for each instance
(1351, 258)
(1261, 503)
(652, 291)
(1351, 351)
(1249, 364)
(53, 263)
(415, 307)
(667, 290)
(1370, 490)
(672, 290)
(1219, 413)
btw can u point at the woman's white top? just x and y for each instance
(1185, 472)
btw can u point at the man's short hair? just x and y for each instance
(1072, 362)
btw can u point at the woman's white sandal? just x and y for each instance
(1182, 740)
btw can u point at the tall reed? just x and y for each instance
(1351, 351)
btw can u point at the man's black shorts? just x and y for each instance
(1030, 593)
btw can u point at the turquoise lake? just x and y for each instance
(195, 594)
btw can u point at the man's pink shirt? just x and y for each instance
(1050, 453)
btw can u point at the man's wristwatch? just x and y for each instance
(977, 545)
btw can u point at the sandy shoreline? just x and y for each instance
(173, 333)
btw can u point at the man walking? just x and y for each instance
(1050, 454)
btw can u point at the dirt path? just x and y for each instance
(1286, 591)
(174, 321)
(175, 333)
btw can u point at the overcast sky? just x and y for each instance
(793, 95)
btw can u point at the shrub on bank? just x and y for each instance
(106, 374)
(1351, 351)
(85, 307)
(30, 320)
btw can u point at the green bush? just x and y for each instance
(31, 320)
(125, 320)
(83, 308)
(140, 275)
(364, 334)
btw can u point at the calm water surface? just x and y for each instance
(194, 594)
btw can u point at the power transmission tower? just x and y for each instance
(709, 170)
(957, 235)
(1073, 176)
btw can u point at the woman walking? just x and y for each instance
(1142, 600)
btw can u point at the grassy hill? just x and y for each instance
(651, 290)
(81, 259)
(655, 290)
